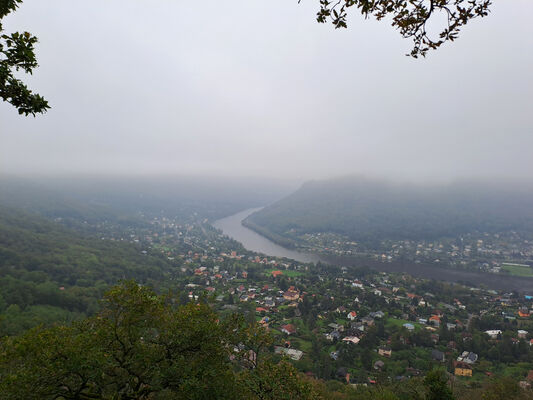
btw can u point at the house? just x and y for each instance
(530, 376)
(462, 369)
(409, 327)
(493, 333)
(468, 357)
(434, 320)
(289, 329)
(385, 351)
(377, 314)
(437, 355)
(337, 327)
(292, 294)
(351, 339)
(357, 326)
(357, 284)
(293, 354)
(269, 302)
(352, 315)
(333, 335)
(367, 320)
(522, 334)
(378, 365)
(275, 274)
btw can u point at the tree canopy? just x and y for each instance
(141, 346)
(410, 17)
(17, 53)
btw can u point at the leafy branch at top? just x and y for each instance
(410, 17)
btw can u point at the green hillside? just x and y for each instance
(370, 211)
(49, 272)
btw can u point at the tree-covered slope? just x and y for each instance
(370, 211)
(49, 272)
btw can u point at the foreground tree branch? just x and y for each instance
(410, 17)
(17, 52)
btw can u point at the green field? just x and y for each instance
(518, 269)
(286, 272)
(399, 323)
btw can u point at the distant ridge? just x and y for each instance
(370, 211)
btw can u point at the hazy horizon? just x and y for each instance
(243, 89)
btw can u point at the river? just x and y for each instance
(253, 241)
(232, 226)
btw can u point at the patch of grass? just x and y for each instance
(286, 272)
(399, 323)
(518, 269)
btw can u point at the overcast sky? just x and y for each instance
(249, 87)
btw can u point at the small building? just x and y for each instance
(337, 327)
(293, 354)
(493, 333)
(385, 351)
(434, 320)
(409, 327)
(462, 369)
(522, 334)
(351, 339)
(468, 357)
(334, 335)
(291, 295)
(378, 365)
(288, 329)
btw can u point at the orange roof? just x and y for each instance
(276, 273)
(523, 314)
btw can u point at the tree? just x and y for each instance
(17, 52)
(141, 346)
(437, 387)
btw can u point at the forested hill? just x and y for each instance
(370, 211)
(49, 272)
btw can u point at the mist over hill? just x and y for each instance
(99, 197)
(371, 210)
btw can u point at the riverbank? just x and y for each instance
(233, 226)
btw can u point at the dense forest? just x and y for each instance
(49, 272)
(370, 211)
